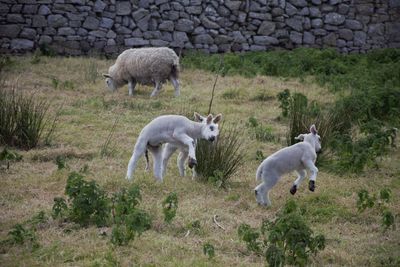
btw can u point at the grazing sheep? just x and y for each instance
(176, 130)
(145, 66)
(298, 157)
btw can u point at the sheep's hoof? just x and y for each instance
(293, 189)
(192, 163)
(255, 191)
(311, 186)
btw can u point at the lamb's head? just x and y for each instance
(111, 84)
(312, 138)
(209, 130)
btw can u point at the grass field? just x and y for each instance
(87, 112)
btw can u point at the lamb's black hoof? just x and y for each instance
(192, 163)
(293, 190)
(311, 186)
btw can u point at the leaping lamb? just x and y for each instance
(147, 66)
(297, 157)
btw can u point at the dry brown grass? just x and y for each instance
(88, 113)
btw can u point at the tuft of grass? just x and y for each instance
(219, 161)
(23, 119)
(105, 149)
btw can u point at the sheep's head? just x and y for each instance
(110, 82)
(312, 138)
(209, 130)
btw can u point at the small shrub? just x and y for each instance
(20, 235)
(60, 208)
(287, 240)
(284, 99)
(209, 250)
(89, 203)
(60, 162)
(259, 155)
(170, 206)
(219, 161)
(9, 156)
(366, 201)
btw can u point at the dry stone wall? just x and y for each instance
(77, 27)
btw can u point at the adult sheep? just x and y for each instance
(145, 66)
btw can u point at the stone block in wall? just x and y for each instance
(123, 7)
(298, 3)
(10, 30)
(266, 28)
(122, 30)
(290, 10)
(45, 39)
(111, 34)
(63, 8)
(184, 25)
(222, 39)
(152, 35)
(4, 9)
(394, 3)
(320, 32)
(393, 31)
(316, 2)
(65, 31)
(21, 44)
(223, 11)
(159, 43)
(260, 16)
(57, 21)
(353, 24)
(28, 33)
(277, 11)
(330, 39)
(143, 24)
(166, 25)
(195, 10)
(15, 18)
(134, 42)
(360, 38)
(294, 23)
(207, 23)
(30, 9)
(334, 18)
(39, 21)
(365, 9)
(237, 37)
(256, 48)
(233, 5)
(296, 37)
(340, 43)
(265, 40)
(139, 14)
(98, 34)
(308, 38)
(203, 39)
(376, 29)
(343, 9)
(99, 6)
(106, 23)
(91, 23)
(346, 34)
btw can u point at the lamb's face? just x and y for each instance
(312, 138)
(210, 129)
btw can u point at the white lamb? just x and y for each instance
(176, 130)
(298, 157)
(147, 66)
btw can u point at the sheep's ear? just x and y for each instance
(106, 75)
(217, 118)
(313, 130)
(300, 137)
(209, 118)
(198, 117)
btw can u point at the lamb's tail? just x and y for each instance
(175, 70)
(259, 173)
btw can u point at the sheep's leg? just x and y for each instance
(301, 174)
(175, 83)
(169, 149)
(262, 190)
(157, 89)
(190, 143)
(156, 151)
(313, 177)
(131, 87)
(181, 162)
(138, 151)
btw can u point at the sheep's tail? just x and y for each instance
(175, 70)
(259, 173)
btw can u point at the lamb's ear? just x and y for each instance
(313, 130)
(106, 75)
(198, 117)
(217, 118)
(300, 137)
(209, 118)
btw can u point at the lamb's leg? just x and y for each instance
(301, 174)
(157, 89)
(313, 177)
(156, 151)
(131, 87)
(262, 190)
(190, 143)
(140, 148)
(175, 83)
(183, 155)
(168, 150)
